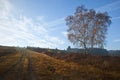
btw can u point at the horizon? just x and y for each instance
(42, 23)
(57, 48)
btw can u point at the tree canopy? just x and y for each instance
(88, 28)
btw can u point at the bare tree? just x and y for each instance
(87, 28)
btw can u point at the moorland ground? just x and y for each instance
(25, 64)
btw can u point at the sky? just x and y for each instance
(41, 23)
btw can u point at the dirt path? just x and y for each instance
(30, 68)
(7, 72)
(26, 70)
(20, 69)
(23, 67)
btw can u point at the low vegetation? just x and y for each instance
(6, 50)
(55, 65)
(103, 66)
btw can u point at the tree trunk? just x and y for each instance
(85, 49)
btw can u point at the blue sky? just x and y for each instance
(41, 23)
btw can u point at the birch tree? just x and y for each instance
(87, 28)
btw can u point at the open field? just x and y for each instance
(24, 64)
(16, 66)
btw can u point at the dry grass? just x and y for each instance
(88, 67)
(7, 61)
(70, 67)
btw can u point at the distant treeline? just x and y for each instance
(114, 52)
(94, 51)
(4, 50)
(45, 50)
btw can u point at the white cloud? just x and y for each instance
(110, 7)
(115, 18)
(117, 40)
(56, 22)
(24, 31)
(5, 8)
(56, 40)
(65, 33)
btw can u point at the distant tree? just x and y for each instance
(69, 48)
(87, 28)
(56, 49)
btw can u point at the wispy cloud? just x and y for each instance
(25, 31)
(117, 40)
(65, 33)
(5, 8)
(110, 7)
(56, 22)
(115, 18)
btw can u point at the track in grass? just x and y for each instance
(30, 68)
(22, 68)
